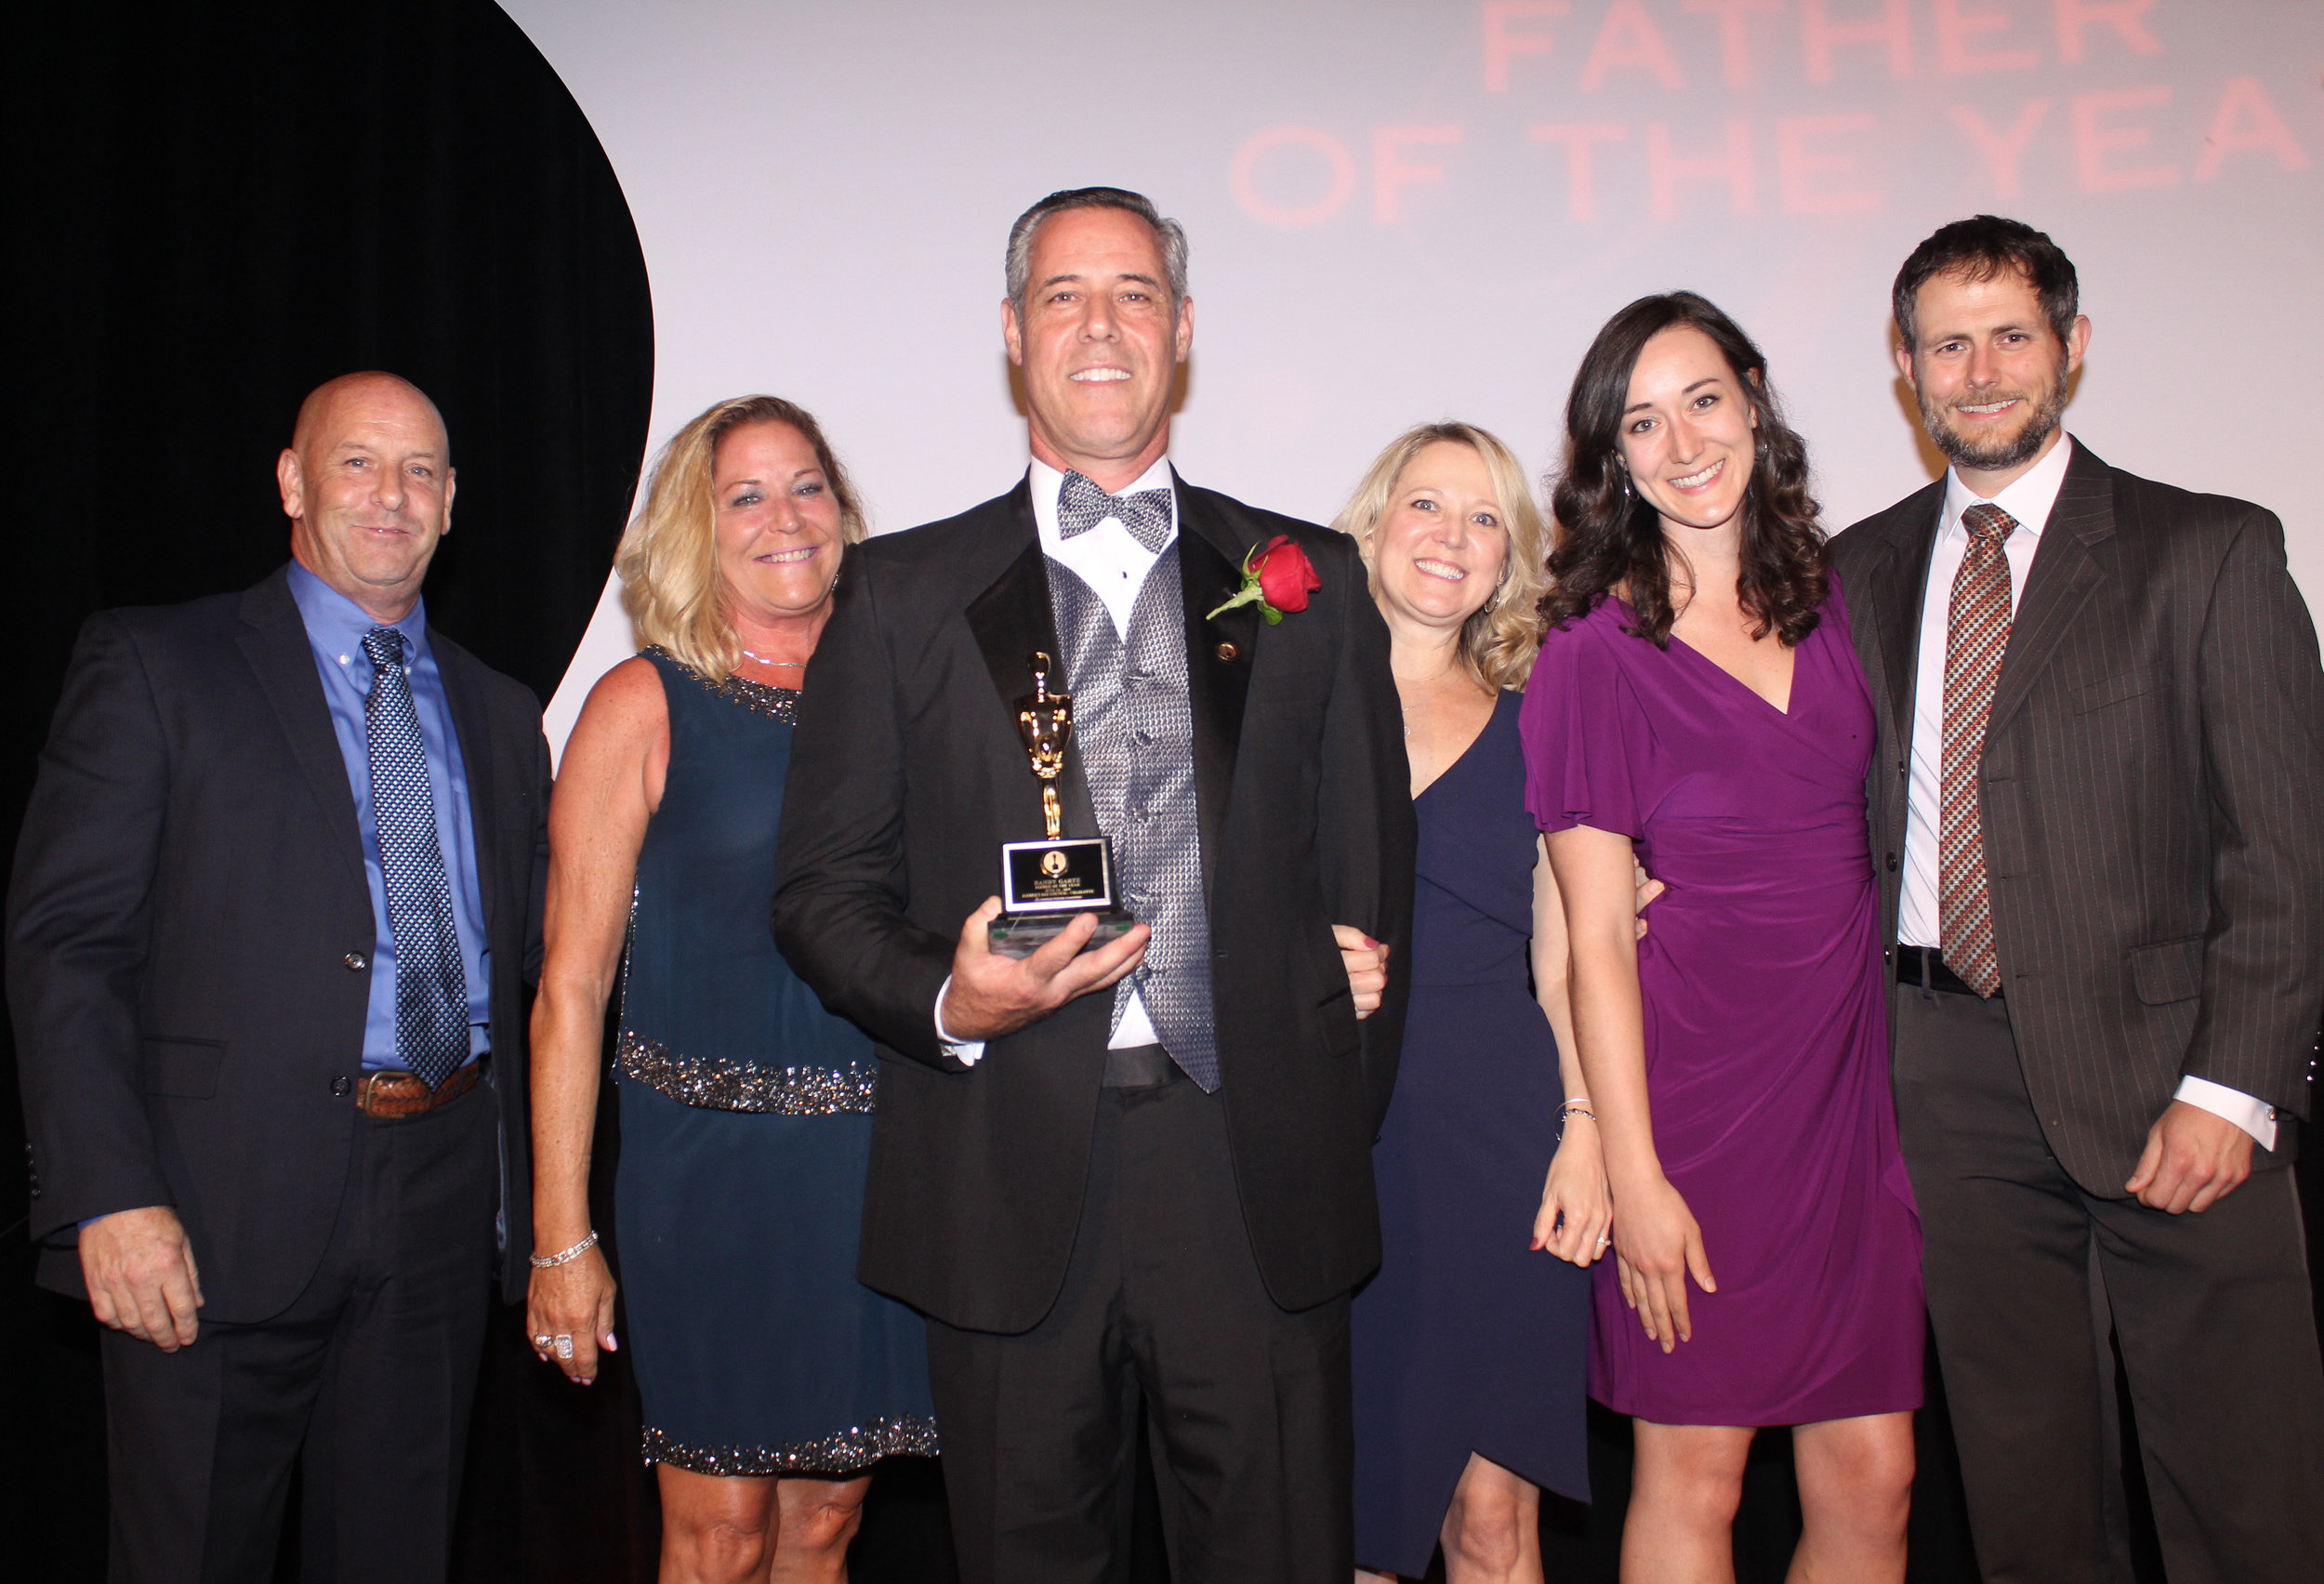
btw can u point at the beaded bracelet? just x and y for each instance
(543, 1262)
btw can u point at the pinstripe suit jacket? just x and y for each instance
(2153, 799)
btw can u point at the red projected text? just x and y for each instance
(1672, 109)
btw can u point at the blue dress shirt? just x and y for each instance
(335, 627)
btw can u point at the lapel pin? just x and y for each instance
(1227, 651)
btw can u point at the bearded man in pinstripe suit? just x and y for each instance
(2098, 807)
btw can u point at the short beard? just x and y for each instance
(2002, 455)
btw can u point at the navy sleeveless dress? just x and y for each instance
(1468, 1340)
(745, 1133)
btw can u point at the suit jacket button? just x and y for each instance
(1227, 651)
(341, 1087)
(356, 960)
(1892, 863)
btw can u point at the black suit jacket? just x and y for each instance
(185, 923)
(2153, 794)
(907, 773)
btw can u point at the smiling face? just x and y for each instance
(367, 484)
(1989, 372)
(1098, 344)
(1438, 551)
(1687, 431)
(779, 533)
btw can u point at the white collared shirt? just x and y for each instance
(2029, 498)
(1115, 565)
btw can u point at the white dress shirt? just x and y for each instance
(1115, 565)
(2028, 499)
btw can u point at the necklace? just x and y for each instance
(764, 661)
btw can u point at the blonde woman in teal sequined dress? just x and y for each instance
(771, 1380)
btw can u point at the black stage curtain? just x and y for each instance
(214, 208)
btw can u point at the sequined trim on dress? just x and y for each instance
(851, 1451)
(717, 1084)
(760, 698)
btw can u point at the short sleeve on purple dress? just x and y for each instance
(1765, 1017)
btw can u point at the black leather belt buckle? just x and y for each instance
(1923, 967)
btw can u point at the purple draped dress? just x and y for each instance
(1765, 1017)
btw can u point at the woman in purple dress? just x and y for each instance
(1696, 707)
(1468, 1344)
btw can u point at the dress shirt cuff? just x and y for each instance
(2255, 1117)
(968, 1052)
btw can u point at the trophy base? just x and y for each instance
(1021, 934)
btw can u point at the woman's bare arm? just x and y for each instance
(1656, 1239)
(607, 789)
(1576, 1209)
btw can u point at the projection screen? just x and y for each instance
(1403, 210)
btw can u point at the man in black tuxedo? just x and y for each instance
(2099, 795)
(275, 903)
(1145, 1170)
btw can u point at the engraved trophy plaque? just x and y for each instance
(1044, 884)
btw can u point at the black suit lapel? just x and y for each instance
(1898, 595)
(1219, 652)
(2067, 570)
(470, 724)
(1012, 621)
(273, 640)
(1011, 618)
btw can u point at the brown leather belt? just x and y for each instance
(390, 1095)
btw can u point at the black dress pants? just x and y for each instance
(364, 1382)
(1247, 1405)
(2212, 1312)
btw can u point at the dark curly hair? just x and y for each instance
(1610, 539)
(1980, 249)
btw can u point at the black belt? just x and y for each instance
(1923, 969)
(1140, 1067)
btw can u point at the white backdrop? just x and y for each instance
(1410, 209)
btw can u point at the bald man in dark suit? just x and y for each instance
(275, 902)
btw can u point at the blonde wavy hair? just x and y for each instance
(1498, 643)
(668, 558)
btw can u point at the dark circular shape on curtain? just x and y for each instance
(219, 207)
(213, 208)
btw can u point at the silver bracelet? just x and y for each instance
(542, 1263)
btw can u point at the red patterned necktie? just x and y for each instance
(1976, 640)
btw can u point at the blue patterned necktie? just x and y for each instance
(1081, 506)
(430, 987)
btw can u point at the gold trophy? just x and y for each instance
(1044, 883)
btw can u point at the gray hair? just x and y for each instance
(1168, 236)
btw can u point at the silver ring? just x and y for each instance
(541, 1342)
(1604, 1240)
(565, 1345)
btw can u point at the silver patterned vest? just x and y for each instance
(1134, 727)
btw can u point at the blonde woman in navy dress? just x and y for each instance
(771, 1380)
(1469, 1346)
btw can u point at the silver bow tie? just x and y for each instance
(1081, 506)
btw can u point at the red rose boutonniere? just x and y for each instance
(1277, 579)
